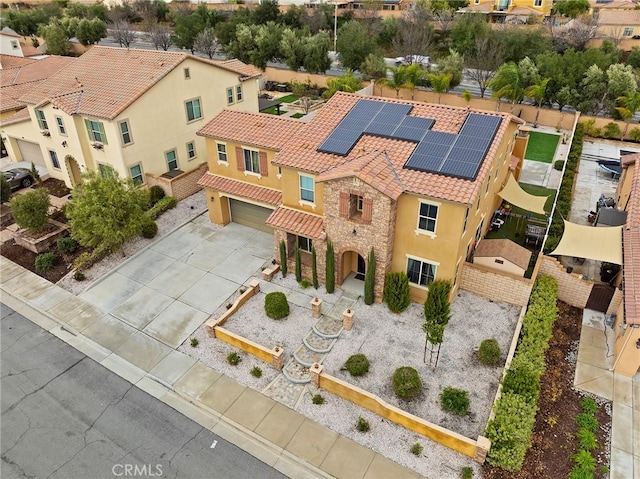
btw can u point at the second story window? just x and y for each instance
(222, 152)
(229, 96)
(194, 111)
(42, 121)
(95, 129)
(125, 133)
(239, 93)
(251, 161)
(307, 192)
(427, 217)
(191, 150)
(61, 128)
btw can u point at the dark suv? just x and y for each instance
(18, 178)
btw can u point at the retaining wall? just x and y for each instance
(572, 289)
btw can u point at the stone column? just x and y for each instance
(316, 307)
(347, 319)
(483, 446)
(315, 370)
(255, 285)
(277, 358)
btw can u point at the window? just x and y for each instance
(95, 129)
(251, 161)
(356, 203)
(106, 171)
(222, 152)
(194, 111)
(455, 276)
(61, 128)
(478, 235)
(478, 203)
(187, 74)
(305, 244)
(307, 192)
(42, 121)
(421, 273)
(125, 133)
(628, 31)
(466, 218)
(427, 217)
(54, 159)
(488, 184)
(15, 45)
(172, 160)
(136, 174)
(191, 150)
(239, 93)
(537, 3)
(229, 96)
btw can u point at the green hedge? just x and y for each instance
(161, 206)
(515, 413)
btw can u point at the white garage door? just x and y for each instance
(250, 215)
(31, 152)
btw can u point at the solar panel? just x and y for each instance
(366, 109)
(468, 142)
(424, 163)
(337, 147)
(415, 122)
(439, 138)
(381, 129)
(409, 134)
(459, 169)
(397, 109)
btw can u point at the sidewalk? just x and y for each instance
(275, 434)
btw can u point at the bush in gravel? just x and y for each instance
(489, 352)
(357, 365)
(256, 372)
(396, 291)
(233, 358)
(156, 193)
(31, 210)
(276, 305)
(362, 425)
(67, 245)
(194, 342)
(416, 449)
(466, 473)
(149, 230)
(317, 399)
(455, 401)
(78, 275)
(166, 203)
(45, 261)
(558, 164)
(406, 383)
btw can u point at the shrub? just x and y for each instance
(466, 473)
(586, 439)
(357, 365)
(5, 189)
(314, 268)
(31, 210)
(522, 381)
(305, 283)
(298, 263)
(489, 352)
(35, 173)
(283, 258)
(416, 449)
(589, 405)
(233, 358)
(455, 401)
(88, 259)
(276, 305)
(67, 245)
(362, 425)
(194, 342)
(634, 134)
(585, 461)
(612, 130)
(370, 279)
(587, 422)
(166, 203)
(256, 372)
(317, 399)
(78, 275)
(45, 261)
(406, 383)
(396, 291)
(558, 164)
(149, 230)
(330, 273)
(156, 193)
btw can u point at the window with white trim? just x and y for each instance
(466, 218)
(125, 133)
(628, 31)
(95, 130)
(54, 159)
(537, 3)
(61, 129)
(191, 150)
(229, 96)
(172, 160)
(251, 161)
(420, 272)
(427, 216)
(239, 93)
(42, 120)
(222, 152)
(307, 189)
(106, 171)
(194, 111)
(136, 174)
(305, 244)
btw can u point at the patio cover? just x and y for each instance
(601, 244)
(514, 194)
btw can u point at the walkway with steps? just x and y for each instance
(289, 386)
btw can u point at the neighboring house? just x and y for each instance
(135, 112)
(620, 26)
(12, 44)
(502, 255)
(627, 324)
(511, 11)
(415, 182)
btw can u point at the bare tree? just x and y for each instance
(616, 35)
(123, 33)
(415, 35)
(489, 55)
(581, 30)
(443, 20)
(306, 103)
(206, 42)
(160, 35)
(370, 13)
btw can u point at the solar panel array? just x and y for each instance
(459, 155)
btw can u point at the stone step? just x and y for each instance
(350, 294)
(317, 343)
(328, 328)
(296, 373)
(306, 357)
(284, 391)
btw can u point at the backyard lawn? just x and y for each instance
(288, 98)
(537, 191)
(541, 147)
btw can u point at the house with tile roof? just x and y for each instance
(511, 11)
(134, 112)
(416, 183)
(620, 25)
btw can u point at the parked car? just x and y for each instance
(422, 60)
(18, 178)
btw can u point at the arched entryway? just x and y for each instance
(74, 170)
(351, 272)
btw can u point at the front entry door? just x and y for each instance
(362, 267)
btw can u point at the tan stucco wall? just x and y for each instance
(572, 289)
(291, 192)
(498, 286)
(506, 266)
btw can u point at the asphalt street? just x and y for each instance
(66, 416)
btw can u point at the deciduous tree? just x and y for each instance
(354, 44)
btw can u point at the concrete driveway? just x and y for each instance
(171, 287)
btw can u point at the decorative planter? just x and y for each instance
(41, 243)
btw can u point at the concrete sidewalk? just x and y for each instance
(275, 434)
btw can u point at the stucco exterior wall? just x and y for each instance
(498, 286)
(623, 192)
(291, 192)
(506, 266)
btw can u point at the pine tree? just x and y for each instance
(283, 258)
(330, 277)
(298, 264)
(370, 279)
(314, 268)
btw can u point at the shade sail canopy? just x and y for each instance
(601, 244)
(514, 194)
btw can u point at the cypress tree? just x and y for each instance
(370, 279)
(330, 277)
(298, 264)
(314, 268)
(283, 258)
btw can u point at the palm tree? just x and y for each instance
(629, 104)
(537, 92)
(397, 80)
(440, 82)
(506, 84)
(414, 74)
(466, 94)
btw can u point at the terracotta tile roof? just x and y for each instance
(7, 32)
(297, 222)
(9, 61)
(301, 151)
(11, 93)
(506, 249)
(29, 50)
(481, 7)
(633, 208)
(619, 17)
(20, 116)
(616, 4)
(258, 129)
(631, 271)
(33, 70)
(629, 159)
(94, 73)
(239, 188)
(373, 168)
(236, 66)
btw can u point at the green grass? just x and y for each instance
(288, 98)
(297, 115)
(513, 229)
(537, 191)
(273, 111)
(541, 147)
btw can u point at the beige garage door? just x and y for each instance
(31, 152)
(250, 215)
